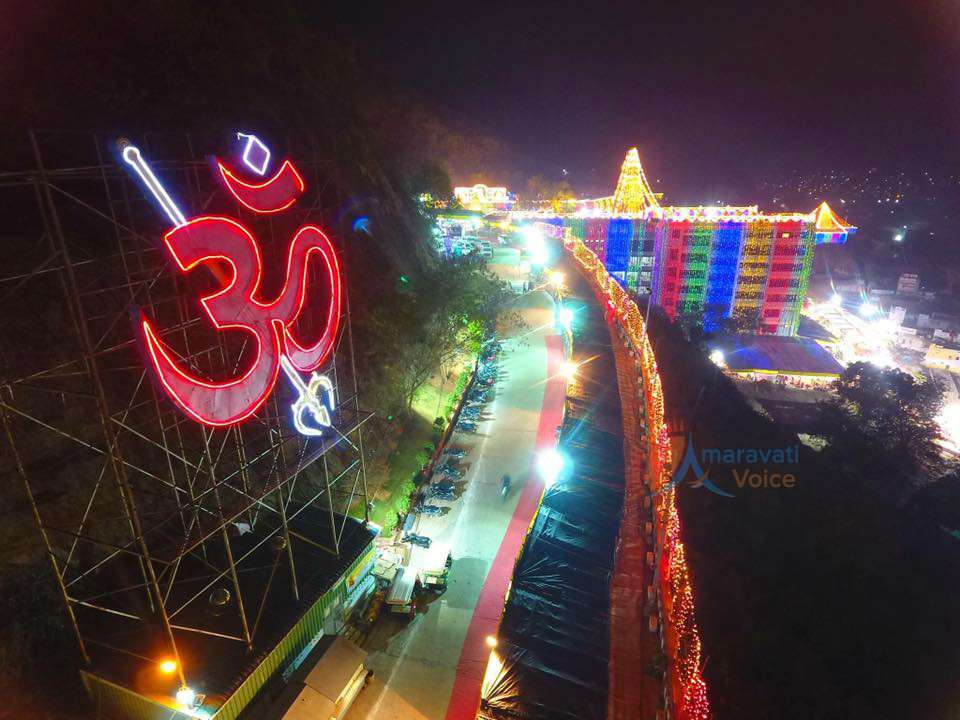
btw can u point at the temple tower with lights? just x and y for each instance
(706, 262)
(633, 194)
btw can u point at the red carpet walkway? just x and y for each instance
(465, 698)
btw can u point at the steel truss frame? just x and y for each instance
(126, 491)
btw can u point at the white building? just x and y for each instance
(484, 198)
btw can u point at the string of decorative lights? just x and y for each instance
(688, 689)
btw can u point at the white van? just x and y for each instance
(325, 685)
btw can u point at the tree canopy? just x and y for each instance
(892, 417)
(544, 190)
(446, 311)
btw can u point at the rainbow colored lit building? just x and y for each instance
(706, 262)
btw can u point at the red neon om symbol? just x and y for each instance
(237, 305)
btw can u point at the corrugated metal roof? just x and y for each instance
(774, 353)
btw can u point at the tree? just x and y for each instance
(432, 178)
(890, 416)
(445, 312)
(691, 322)
(741, 322)
(543, 190)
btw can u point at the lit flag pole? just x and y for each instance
(308, 393)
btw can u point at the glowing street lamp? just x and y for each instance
(168, 666)
(491, 641)
(556, 279)
(565, 316)
(898, 237)
(538, 255)
(186, 697)
(550, 464)
(569, 370)
(536, 247)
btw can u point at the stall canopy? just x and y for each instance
(552, 650)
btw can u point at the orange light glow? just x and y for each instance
(168, 667)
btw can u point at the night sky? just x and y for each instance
(718, 96)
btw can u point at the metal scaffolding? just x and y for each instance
(159, 529)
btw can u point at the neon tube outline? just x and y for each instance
(134, 158)
(307, 392)
(308, 400)
(251, 141)
(249, 194)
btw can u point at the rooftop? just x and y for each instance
(776, 354)
(215, 664)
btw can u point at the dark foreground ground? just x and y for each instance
(831, 599)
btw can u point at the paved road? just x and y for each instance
(417, 663)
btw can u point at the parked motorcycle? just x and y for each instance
(421, 540)
(504, 486)
(441, 491)
(428, 509)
